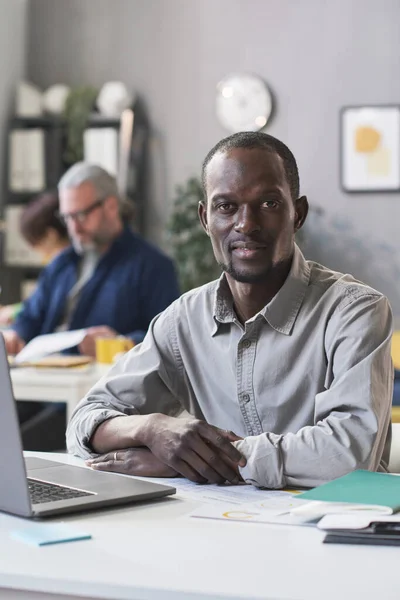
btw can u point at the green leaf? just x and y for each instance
(79, 104)
(188, 242)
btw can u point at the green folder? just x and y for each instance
(368, 488)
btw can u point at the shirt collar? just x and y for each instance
(223, 304)
(281, 312)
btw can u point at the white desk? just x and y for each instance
(50, 385)
(155, 551)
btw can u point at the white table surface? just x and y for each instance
(55, 385)
(156, 551)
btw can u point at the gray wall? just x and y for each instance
(13, 43)
(317, 56)
(13, 35)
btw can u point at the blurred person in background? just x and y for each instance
(44, 232)
(110, 281)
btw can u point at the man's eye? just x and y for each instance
(270, 204)
(225, 207)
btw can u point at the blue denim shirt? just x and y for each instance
(132, 283)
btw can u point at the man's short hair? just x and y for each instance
(105, 185)
(263, 141)
(82, 172)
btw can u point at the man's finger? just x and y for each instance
(213, 465)
(109, 465)
(212, 468)
(111, 457)
(230, 435)
(186, 470)
(223, 444)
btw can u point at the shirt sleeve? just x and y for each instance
(144, 381)
(352, 415)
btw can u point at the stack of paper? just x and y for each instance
(377, 530)
(43, 345)
(355, 500)
(272, 507)
(238, 502)
(60, 361)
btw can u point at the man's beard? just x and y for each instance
(83, 247)
(97, 242)
(237, 275)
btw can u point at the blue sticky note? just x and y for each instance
(43, 534)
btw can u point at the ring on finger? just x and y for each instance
(115, 456)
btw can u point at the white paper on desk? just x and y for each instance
(316, 509)
(43, 345)
(213, 493)
(355, 521)
(274, 508)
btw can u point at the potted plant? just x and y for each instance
(79, 104)
(189, 244)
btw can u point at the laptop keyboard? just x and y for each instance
(41, 492)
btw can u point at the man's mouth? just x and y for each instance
(248, 249)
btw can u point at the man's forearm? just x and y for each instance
(120, 432)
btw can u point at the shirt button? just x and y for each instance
(246, 398)
(246, 343)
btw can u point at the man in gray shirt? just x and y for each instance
(283, 365)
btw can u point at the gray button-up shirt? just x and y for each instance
(307, 382)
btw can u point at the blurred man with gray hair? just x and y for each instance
(111, 281)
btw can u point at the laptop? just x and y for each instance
(35, 487)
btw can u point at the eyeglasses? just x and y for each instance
(80, 216)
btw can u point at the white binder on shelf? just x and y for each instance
(100, 147)
(16, 251)
(16, 160)
(27, 160)
(35, 159)
(28, 100)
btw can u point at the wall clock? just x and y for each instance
(243, 102)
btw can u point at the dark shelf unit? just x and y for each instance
(54, 129)
(48, 122)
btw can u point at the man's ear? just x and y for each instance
(301, 212)
(112, 205)
(202, 212)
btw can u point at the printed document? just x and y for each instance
(43, 345)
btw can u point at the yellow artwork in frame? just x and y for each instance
(370, 148)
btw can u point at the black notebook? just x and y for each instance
(377, 534)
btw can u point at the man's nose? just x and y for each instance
(74, 226)
(247, 220)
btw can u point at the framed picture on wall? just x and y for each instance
(370, 148)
